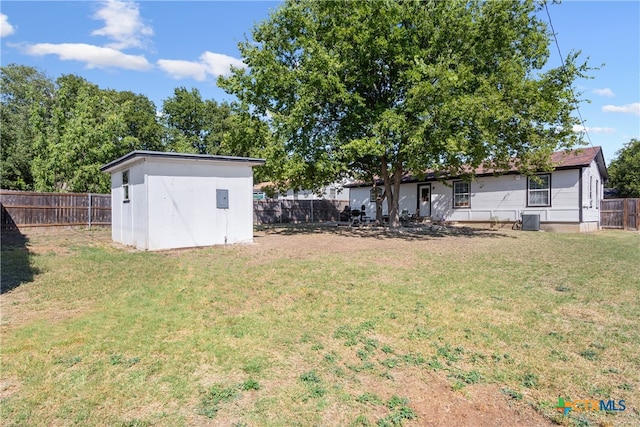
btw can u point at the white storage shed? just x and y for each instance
(174, 200)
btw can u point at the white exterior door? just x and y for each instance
(424, 200)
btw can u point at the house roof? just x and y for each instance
(574, 158)
(566, 159)
(141, 154)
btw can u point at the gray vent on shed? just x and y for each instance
(531, 222)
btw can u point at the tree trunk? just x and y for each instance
(379, 218)
(393, 193)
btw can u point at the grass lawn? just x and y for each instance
(321, 327)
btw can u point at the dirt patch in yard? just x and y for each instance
(305, 242)
(479, 405)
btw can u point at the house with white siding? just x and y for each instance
(173, 200)
(564, 199)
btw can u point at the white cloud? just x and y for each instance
(604, 92)
(122, 24)
(183, 69)
(6, 29)
(219, 64)
(93, 56)
(210, 64)
(580, 128)
(629, 108)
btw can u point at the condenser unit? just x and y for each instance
(531, 222)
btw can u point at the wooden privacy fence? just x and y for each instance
(29, 209)
(620, 213)
(296, 211)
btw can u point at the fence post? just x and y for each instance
(625, 214)
(90, 206)
(312, 211)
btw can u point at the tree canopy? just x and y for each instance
(84, 128)
(624, 170)
(202, 126)
(384, 89)
(24, 89)
(57, 134)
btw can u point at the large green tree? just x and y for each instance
(624, 170)
(24, 91)
(394, 87)
(84, 128)
(142, 130)
(195, 125)
(203, 126)
(185, 117)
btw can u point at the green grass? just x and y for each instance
(285, 335)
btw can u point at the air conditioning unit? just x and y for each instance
(531, 222)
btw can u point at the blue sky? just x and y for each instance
(152, 47)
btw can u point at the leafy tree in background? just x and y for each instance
(389, 88)
(24, 90)
(200, 126)
(84, 128)
(185, 118)
(624, 170)
(56, 135)
(76, 136)
(142, 129)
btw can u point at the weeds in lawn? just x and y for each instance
(135, 423)
(435, 364)
(399, 411)
(68, 361)
(386, 349)
(217, 394)
(589, 354)
(118, 359)
(369, 398)
(362, 421)
(313, 383)
(450, 355)
(471, 377)
(512, 393)
(330, 357)
(250, 384)
(530, 380)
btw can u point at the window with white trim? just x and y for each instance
(461, 195)
(125, 186)
(539, 190)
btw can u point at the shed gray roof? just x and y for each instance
(142, 154)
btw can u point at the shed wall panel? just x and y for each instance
(182, 205)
